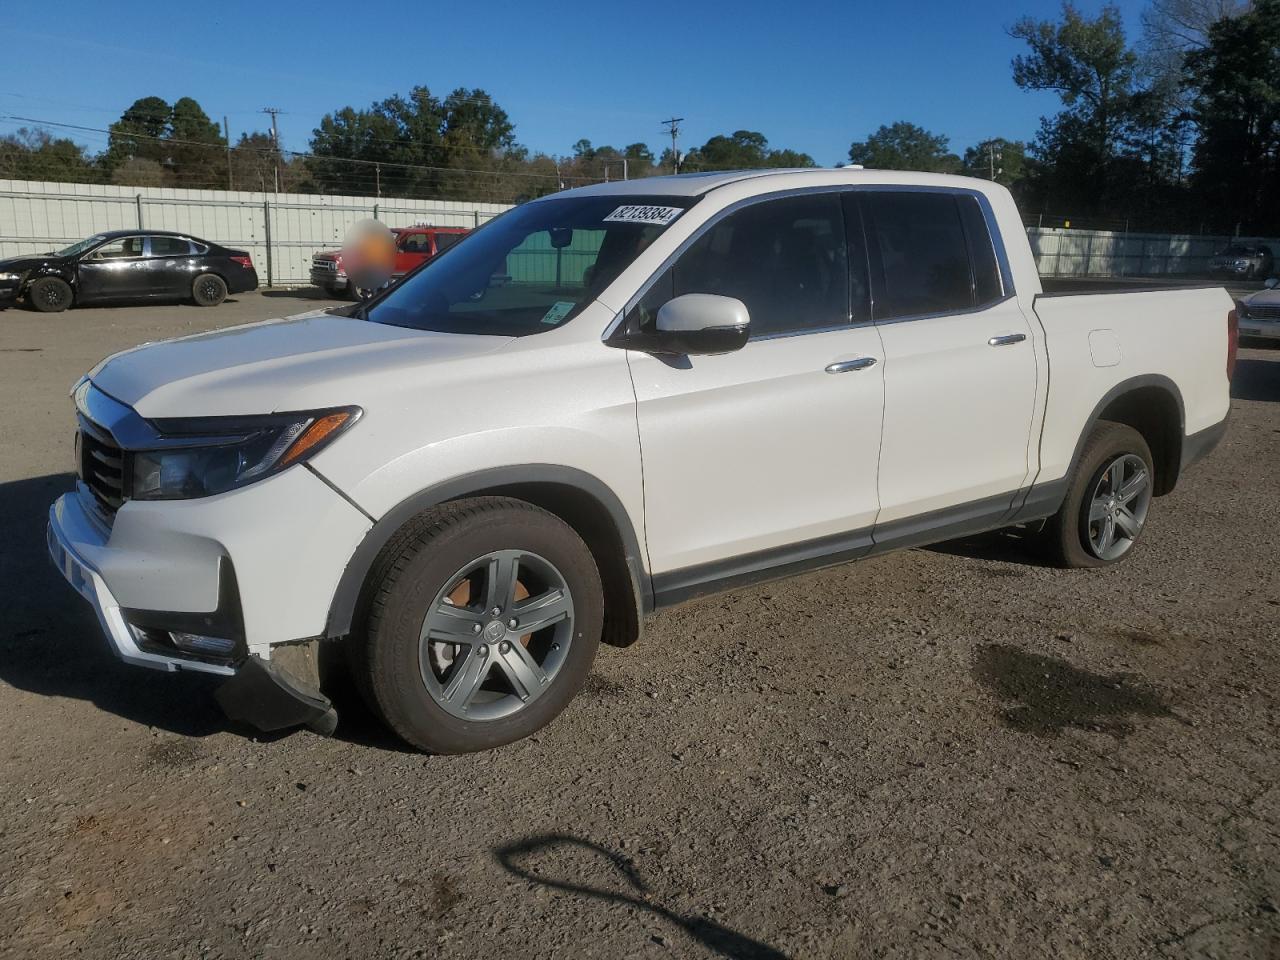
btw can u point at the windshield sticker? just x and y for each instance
(559, 310)
(632, 213)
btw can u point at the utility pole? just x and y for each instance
(377, 180)
(226, 135)
(992, 156)
(673, 127)
(275, 139)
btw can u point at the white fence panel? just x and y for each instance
(282, 231)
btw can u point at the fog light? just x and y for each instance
(209, 646)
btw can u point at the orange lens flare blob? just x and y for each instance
(315, 433)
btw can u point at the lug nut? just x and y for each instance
(497, 611)
(504, 647)
(475, 628)
(513, 623)
(483, 651)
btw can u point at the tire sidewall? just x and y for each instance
(393, 634)
(1108, 442)
(195, 290)
(44, 283)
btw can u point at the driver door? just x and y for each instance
(116, 269)
(764, 459)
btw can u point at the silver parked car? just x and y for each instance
(1242, 261)
(1259, 313)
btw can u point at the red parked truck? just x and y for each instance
(413, 245)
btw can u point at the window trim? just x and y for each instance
(618, 323)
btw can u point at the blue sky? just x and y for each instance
(810, 76)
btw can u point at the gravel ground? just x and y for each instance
(944, 752)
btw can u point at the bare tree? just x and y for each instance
(1172, 27)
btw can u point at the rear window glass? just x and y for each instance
(923, 257)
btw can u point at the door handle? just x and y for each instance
(1005, 339)
(844, 366)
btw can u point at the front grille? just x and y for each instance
(102, 470)
(329, 266)
(1264, 311)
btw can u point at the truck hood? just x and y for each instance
(299, 363)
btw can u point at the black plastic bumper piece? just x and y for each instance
(269, 698)
(1199, 445)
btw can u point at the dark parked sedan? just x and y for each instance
(128, 265)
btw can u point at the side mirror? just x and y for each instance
(1271, 283)
(701, 323)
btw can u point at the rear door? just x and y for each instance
(171, 266)
(960, 370)
(114, 270)
(766, 456)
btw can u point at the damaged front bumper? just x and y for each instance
(264, 693)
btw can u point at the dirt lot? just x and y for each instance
(945, 752)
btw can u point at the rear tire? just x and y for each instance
(49, 295)
(1107, 501)
(208, 290)
(444, 658)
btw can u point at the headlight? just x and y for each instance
(216, 454)
(10, 277)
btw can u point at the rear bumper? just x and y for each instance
(245, 281)
(1199, 445)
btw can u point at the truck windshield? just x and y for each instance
(532, 269)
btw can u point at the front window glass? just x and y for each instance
(119, 249)
(531, 269)
(446, 240)
(785, 259)
(80, 247)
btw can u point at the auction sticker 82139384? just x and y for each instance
(644, 213)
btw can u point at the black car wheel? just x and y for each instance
(49, 295)
(209, 290)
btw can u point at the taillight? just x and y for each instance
(1233, 338)
(246, 262)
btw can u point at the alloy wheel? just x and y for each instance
(496, 635)
(1118, 506)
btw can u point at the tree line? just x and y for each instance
(1178, 131)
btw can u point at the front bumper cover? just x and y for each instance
(258, 692)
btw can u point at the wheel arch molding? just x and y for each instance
(1151, 404)
(580, 499)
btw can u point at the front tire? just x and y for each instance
(483, 622)
(208, 290)
(49, 295)
(1107, 501)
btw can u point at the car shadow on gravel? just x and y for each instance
(537, 859)
(1009, 545)
(50, 641)
(1047, 695)
(1257, 379)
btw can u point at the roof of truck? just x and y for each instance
(696, 184)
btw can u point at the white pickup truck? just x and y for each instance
(681, 385)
